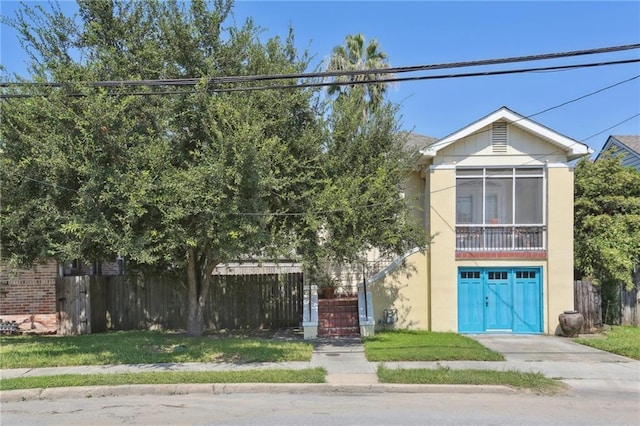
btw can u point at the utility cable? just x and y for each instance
(350, 83)
(609, 128)
(324, 74)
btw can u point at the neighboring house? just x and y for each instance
(627, 146)
(497, 198)
(28, 295)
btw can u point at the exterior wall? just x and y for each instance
(404, 289)
(558, 295)
(28, 291)
(414, 194)
(442, 261)
(28, 296)
(476, 150)
(629, 159)
(430, 303)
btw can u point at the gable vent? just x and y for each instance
(499, 137)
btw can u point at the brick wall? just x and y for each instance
(502, 255)
(28, 291)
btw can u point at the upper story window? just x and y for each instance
(508, 196)
(500, 208)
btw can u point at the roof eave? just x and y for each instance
(573, 148)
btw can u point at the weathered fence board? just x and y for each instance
(92, 304)
(629, 307)
(589, 302)
(73, 305)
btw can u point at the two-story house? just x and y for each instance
(497, 196)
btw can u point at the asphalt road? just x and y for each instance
(329, 409)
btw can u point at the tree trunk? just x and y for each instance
(198, 288)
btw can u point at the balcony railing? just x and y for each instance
(492, 237)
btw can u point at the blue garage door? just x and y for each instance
(499, 300)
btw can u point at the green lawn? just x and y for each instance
(405, 345)
(309, 375)
(620, 340)
(515, 379)
(143, 347)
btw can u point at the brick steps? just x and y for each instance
(338, 317)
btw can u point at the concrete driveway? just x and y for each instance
(584, 368)
(536, 347)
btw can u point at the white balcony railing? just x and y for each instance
(500, 237)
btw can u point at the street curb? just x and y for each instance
(238, 388)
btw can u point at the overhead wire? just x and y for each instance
(609, 128)
(323, 74)
(336, 83)
(324, 84)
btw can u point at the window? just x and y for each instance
(497, 275)
(500, 208)
(505, 196)
(470, 274)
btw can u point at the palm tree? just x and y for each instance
(354, 56)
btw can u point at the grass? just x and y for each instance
(621, 340)
(405, 345)
(143, 347)
(309, 375)
(535, 382)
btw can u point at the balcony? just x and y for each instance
(500, 238)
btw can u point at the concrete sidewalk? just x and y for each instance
(583, 368)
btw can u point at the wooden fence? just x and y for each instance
(624, 309)
(94, 304)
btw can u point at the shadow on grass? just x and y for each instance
(144, 347)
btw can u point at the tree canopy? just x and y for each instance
(607, 220)
(183, 178)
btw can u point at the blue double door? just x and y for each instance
(499, 300)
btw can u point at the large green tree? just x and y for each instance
(178, 178)
(607, 221)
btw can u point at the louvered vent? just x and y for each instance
(499, 137)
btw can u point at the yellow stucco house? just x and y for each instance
(497, 195)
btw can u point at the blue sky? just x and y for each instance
(427, 32)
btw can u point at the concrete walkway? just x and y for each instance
(344, 361)
(583, 368)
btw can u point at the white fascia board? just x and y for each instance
(573, 148)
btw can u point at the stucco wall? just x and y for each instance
(404, 289)
(443, 273)
(559, 288)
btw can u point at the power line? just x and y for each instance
(584, 96)
(609, 128)
(324, 74)
(350, 83)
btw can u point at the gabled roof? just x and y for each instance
(630, 141)
(573, 148)
(628, 146)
